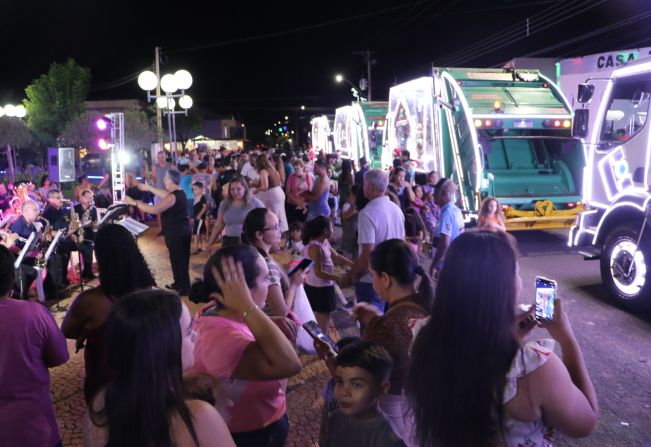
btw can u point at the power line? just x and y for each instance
(499, 36)
(598, 31)
(552, 21)
(295, 30)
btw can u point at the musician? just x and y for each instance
(87, 215)
(83, 184)
(24, 227)
(59, 219)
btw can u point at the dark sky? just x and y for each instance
(263, 60)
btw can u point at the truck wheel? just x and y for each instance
(626, 267)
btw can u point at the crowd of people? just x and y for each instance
(443, 356)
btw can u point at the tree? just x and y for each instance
(187, 126)
(55, 98)
(139, 130)
(13, 133)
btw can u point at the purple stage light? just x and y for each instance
(103, 144)
(101, 123)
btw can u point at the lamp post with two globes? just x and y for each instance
(170, 84)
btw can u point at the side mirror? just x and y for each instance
(585, 93)
(580, 123)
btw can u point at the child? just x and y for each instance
(362, 371)
(319, 282)
(328, 393)
(349, 215)
(490, 215)
(199, 212)
(295, 243)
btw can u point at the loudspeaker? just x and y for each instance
(61, 164)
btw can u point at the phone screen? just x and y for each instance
(303, 265)
(545, 296)
(315, 332)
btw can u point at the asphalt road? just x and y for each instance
(616, 344)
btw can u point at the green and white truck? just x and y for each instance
(495, 132)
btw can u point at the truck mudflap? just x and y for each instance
(544, 216)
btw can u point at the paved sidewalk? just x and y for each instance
(304, 400)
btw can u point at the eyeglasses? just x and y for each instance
(274, 228)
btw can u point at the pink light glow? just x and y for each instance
(101, 124)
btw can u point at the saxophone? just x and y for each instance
(40, 260)
(75, 226)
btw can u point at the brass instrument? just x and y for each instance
(75, 226)
(5, 234)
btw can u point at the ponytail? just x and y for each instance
(425, 289)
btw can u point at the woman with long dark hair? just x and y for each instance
(175, 225)
(270, 190)
(405, 287)
(150, 340)
(242, 347)
(122, 269)
(262, 231)
(472, 381)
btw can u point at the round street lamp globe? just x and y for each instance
(147, 80)
(168, 83)
(339, 78)
(10, 110)
(183, 79)
(20, 111)
(185, 102)
(165, 103)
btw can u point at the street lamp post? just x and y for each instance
(170, 83)
(353, 88)
(12, 111)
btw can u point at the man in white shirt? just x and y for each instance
(248, 169)
(378, 221)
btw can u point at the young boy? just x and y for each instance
(362, 371)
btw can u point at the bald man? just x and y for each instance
(450, 224)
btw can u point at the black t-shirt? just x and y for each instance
(58, 218)
(22, 229)
(92, 217)
(175, 219)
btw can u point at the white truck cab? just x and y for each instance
(616, 227)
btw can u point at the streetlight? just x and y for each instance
(12, 111)
(170, 83)
(353, 88)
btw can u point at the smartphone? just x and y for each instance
(545, 296)
(315, 332)
(305, 264)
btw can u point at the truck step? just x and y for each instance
(590, 254)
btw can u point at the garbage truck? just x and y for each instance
(504, 133)
(615, 226)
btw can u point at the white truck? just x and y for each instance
(615, 227)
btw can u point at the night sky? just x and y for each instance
(261, 61)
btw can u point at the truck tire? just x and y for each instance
(630, 291)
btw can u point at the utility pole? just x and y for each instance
(159, 113)
(367, 57)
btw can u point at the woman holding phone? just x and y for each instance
(494, 389)
(244, 348)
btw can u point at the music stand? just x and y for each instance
(116, 213)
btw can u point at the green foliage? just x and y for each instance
(14, 132)
(80, 131)
(55, 98)
(139, 130)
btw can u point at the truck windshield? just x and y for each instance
(627, 109)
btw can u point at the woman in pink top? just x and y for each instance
(242, 347)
